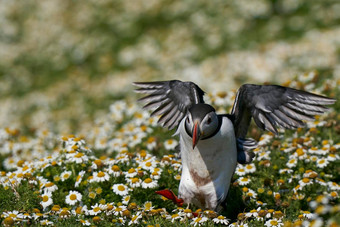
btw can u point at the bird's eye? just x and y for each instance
(209, 120)
(188, 120)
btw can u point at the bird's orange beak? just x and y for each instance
(195, 135)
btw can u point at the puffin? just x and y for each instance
(212, 144)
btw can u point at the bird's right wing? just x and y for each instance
(273, 105)
(169, 99)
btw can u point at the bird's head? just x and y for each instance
(201, 122)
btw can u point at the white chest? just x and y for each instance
(207, 170)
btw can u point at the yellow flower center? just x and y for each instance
(99, 190)
(121, 188)
(50, 184)
(273, 222)
(132, 170)
(92, 195)
(118, 209)
(134, 180)
(220, 217)
(305, 180)
(115, 168)
(73, 197)
(79, 155)
(300, 152)
(45, 198)
(198, 220)
(174, 215)
(148, 180)
(334, 194)
(148, 164)
(74, 147)
(96, 209)
(260, 190)
(151, 139)
(101, 174)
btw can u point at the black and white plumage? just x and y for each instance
(212, 144)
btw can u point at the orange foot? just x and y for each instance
(167, 193)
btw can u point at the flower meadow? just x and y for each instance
(108, 176)
(77, 149)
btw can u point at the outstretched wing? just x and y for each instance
(273, 105)
(169, 99)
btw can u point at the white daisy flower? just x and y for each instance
(46, 199)
(322, 163)
(131, 173)
(170, 144)
(100, 177)
(273, 222)
(77, 157)
(243, 181)
(333, 157)
(148, 206)
(265, 139)
(135, 218)
(114, 170)
(305, 181)
(333, 185)
(46, 222)
(308, 215)
(156, 175)
(13, 214)
(240, 170)
(85, 222)
(118, 211)
(134, 182)
(251, 193)
(95, 209)
(252, 213)
(198, 221)
(50, 187)
(292, 162)
(126, 199)
(285, 171)
(65, 175)
(79, 178)
(221, 220)
(149, 183)
(121, 189)
(250, 168)
(177, 216)
(264, 155)
(151, 143)
(73, 197)
(149, 164)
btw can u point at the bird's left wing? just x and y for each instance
(169, 99)
(273, 105)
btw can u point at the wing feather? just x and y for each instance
(274, 106)
(169, 99)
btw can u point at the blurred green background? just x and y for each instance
(63, 62)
